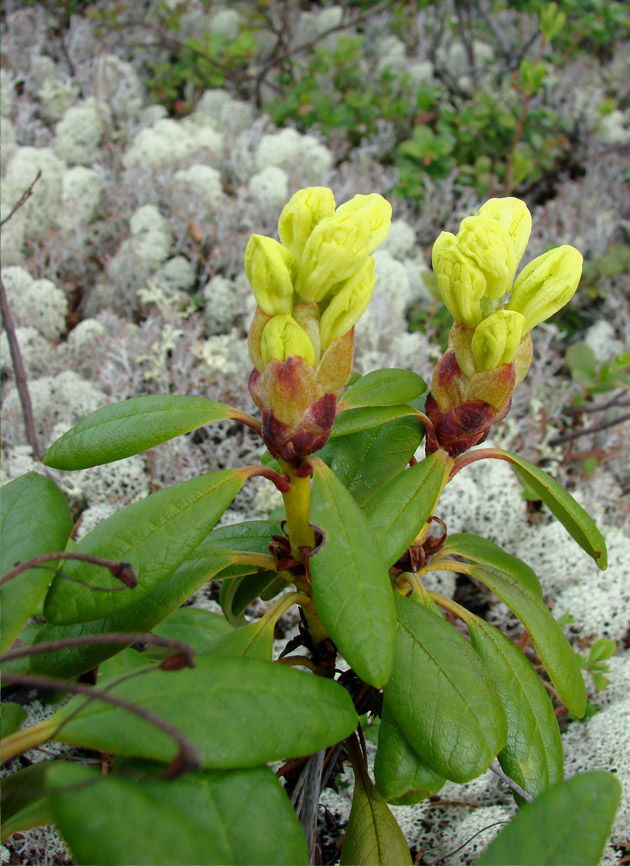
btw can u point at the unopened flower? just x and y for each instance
(461, 283)
(270, 269)
(496, 339)
(375, 211)
(348, 304)
(301, 214)
(546, 285)
(282, 338)
(491, 248)
(513, 214)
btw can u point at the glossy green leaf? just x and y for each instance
(400, 509)
(155, 535)
(129, 661)
(568, 825)
(35, 520)
(236, 595)
(372, 835)
(210, 817)
(383, 388)
(355, 420)
(510, 580)
(25, 801)
(351, 584)
(533, 754)
(252, 536)
(127, 428)
(194, 626)
(238, 712)
(24, 639)
(578, 523)
(442, 696)
(12, 717)
(367, 460)
(401, 777)
(201, 566)
(254, 640)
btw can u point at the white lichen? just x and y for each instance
(35, 303)
(302, 156)
(79, 134)
(271, 187)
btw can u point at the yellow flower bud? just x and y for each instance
(377, 213)
(490, 246)
(301, 214)
(514, 216)
(546, 285)
(461, 283)
(270, 269)
(307, 316)
(496, 339)
(336, 248)
(283, 337)
(347, 305)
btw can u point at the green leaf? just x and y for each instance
(401, 777)
(154, 535)
(563, 506)
(400, 509)
(383, 388)
(25, 801)
(533, 754)
(367, 460)
(12, 717)
(238, 712)
(568, 825)
(236, 595)
(442, 696)
(252, 536)
(194, 626)
(35, 520)
(201, 566)
(372, 835)
(511, 581)
(211, 817)
(351, 584)
(254, 640)
(581, 362)
(355, 420)
(127, 428)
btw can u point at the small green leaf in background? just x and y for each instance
(211, 817)
(201, 566)
(582, 365)
(563, 506)
(351, 584)
(568, 825)
(511, 580)
(127, 428)
(400, 509)
(238, 712)
(35, 520)
(155, 535)
(372, 835)
(367, 460)
(533, 754)
(12, 717)
(442, 696)
(355, 420)
(400, 775)
(383, 388)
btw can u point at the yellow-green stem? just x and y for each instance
(28, 738)
(297, 505)
(448, 604)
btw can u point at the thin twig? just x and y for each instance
(596, 428)
(18, 366)
(123, 571)
(599, 407)
(28, 192)
(496, 769)
(187, 653)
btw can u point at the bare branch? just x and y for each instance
(28, 192)
(123, 571)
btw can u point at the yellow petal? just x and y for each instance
(301, 214)
(348, 305)
(496, 339)
(546, 285)
(270, 269)
(375, 210)
(283, 337)
(336, 248)
(514, 216)
(461, 282)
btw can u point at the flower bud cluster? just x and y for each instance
(311, 288)
(490, 346)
